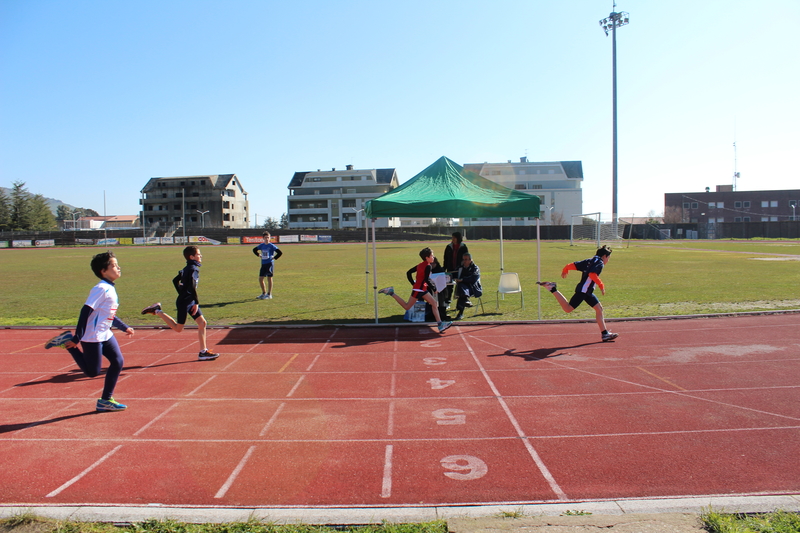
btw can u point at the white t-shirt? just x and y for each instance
(104, 302)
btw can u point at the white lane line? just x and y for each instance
(79, 476)
(272, 419)
(386, 489)
(156, 419)
(390, 424)
(232, 363)
(206, 382)
(296, 385)
(531, 450)
(221, 492)
(313, 362)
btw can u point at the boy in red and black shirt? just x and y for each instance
(423, 288)
(584, 292)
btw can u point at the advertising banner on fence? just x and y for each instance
(289, 238)
(3, 244)
(107, 242)
(21, 244)
(234, 240)
(324, 238)
(252, 239)
(308, 238)
(202, 240)
(167, 240)
(84, 241)
(44, 242)
(125, 240)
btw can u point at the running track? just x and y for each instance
(393, 416)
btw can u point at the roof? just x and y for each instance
(218, 181)
(446, 190)
(382, 175)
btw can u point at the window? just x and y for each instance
(694, 205)
(746, 204)
(176, 207)
(686, 205)
(720, 205)
(520, 186)
(764, 203)
(737, 204)
(737, 219)
(773, 203)
(712, 205)
(348, 203)
(747, 219)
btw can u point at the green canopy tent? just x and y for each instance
(446, 190)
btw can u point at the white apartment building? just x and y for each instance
(556, 183)
(334, 199)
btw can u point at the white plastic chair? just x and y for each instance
(509, 284)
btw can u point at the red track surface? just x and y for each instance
(394, 416)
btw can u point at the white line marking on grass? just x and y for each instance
(79, 476)
(531, 450)
(156, 419)
(390, 423)
(272, 419)
(206, 382)
(221, 492)
(299, 381)
(386, 489)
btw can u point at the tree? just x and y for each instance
(41, 217)
(284, 221)
(673, 215)
(5, 211)
(271, 224)
(20, 206)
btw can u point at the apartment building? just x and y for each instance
(726, 205)
(210, 201)
(334, 199)
(556, 183)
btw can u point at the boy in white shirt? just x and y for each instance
(93, 331)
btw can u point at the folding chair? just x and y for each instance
(509, 284)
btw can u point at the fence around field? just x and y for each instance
(720, 230)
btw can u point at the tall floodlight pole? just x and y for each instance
(611, 23)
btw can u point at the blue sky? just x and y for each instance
(98, 96)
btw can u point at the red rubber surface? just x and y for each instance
(393, 416)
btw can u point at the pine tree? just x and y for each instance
(5, 211)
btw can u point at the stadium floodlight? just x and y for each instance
(613, 21)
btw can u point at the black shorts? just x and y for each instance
(266, 270)
(185, 309)
(420, 295)
(580, 297)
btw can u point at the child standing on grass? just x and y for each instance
(269, 253)
(584, 291)
(423, 288)
(93, 331)
(188, 303)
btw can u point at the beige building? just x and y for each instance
(556, 183)
(334, 199)
(210, 201)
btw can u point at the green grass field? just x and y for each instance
(325, 283)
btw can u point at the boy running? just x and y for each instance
(269, 253)
(188, 303)
(93, 331)
(584, 291)
(423, 288)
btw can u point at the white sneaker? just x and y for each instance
(261, 297)
(267, 297)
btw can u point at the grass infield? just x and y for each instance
(327, 284)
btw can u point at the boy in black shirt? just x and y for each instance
(187, 302)
(584, 291)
